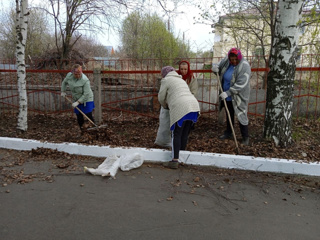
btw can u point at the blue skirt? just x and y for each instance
(85, 108)
(193, 116)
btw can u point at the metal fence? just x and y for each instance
(132, 86)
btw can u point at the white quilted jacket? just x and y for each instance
(175, 94)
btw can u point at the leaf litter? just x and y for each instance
(136, 131)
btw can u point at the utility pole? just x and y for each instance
(183, 34)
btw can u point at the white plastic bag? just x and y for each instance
(163, 138)
(132, 161)
(111, 164)
(109, 167)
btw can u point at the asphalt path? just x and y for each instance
(54, 199)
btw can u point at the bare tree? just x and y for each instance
(90, 47)
(21, 30)
(38, 37)
(251, 23)
(73, 18)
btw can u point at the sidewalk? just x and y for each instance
(56, 201)
(187, 157)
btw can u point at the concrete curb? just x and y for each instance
(187, 157)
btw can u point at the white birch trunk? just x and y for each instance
(21, 30)
(279, 102)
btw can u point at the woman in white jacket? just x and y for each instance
(163, 138)
(175, 95)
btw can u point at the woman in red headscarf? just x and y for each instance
(187, 75)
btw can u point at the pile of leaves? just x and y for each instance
(135, 131)
(52, 60)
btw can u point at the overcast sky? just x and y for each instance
(197, 34)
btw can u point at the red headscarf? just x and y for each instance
(189, 74)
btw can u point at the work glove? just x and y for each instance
(223, 95)
(63, 94)
(215, 68)
(75, 104)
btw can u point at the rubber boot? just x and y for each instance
(245, 141)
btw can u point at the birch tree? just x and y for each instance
(21, 30)
(279, 101)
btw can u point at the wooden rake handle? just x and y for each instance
(229, 117)
(82, 112)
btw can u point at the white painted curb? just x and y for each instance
(187, 157)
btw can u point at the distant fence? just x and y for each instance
(132, 86)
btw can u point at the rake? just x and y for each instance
(229, 117)
(95, 125)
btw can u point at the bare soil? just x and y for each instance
(136, 131)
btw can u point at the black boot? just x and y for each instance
(225, 136)
(81, 131)
(245, 141)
